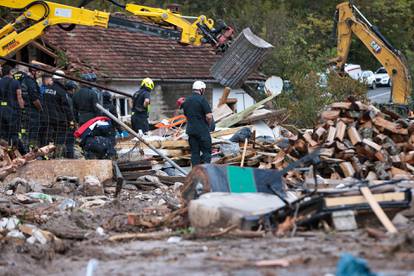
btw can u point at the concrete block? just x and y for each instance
(45, 172)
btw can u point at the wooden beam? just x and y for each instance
(366, 192)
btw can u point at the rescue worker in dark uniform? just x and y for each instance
(57, 109)
(65, 128)
(199, 119)
(31, 117)
(11, 104)
(84, 102)
(71, 88)
(140, 105)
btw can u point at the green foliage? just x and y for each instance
(308, 98)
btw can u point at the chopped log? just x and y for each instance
(331, 135)
(397, 173)
(328, 152)
(347, 169)
(330, 115)
(380, 139)
(317, 135)
(342, 105)
(371, 144)
(354, 136)
(340, 130)
(371, 176)
(394, 128)
(308, 138)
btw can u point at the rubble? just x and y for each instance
(266, 180)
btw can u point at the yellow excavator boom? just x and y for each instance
(42, 14)
(351, 21)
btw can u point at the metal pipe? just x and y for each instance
(107, 113)
(67, 77)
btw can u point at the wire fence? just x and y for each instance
(38, 109)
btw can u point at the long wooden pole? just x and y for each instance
(378, 210)
(130, 130)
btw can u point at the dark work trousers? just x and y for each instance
(139, 121)
(33, 127)
(200, 143)
(70, 144)
(9, 124)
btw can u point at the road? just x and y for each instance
(379, 95)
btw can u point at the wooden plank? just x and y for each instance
(366, 192)
(394, 128)
(372, 144)
(236, 118)
(354, 200)
(330, 115)
(224, 96)
(331, 135)
(354, 136)
(341, 105)
(221, 112)
(244, 152)
(347, 169)
(262, 114)
(340, 130)
(225, 132)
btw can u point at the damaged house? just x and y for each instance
(122, 58)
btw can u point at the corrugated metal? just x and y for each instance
(243, 57)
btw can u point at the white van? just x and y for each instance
(353, 70)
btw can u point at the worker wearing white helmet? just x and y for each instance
(199, 118)
(140, 106)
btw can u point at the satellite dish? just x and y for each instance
(273, 86)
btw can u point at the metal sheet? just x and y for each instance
(244, 56)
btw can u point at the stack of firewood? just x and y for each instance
(358, 140)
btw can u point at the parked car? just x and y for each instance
(368, 78)
(382, 78)
(353, 70)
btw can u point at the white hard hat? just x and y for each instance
(56, 77)
(198, 85)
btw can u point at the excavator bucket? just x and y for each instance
(243, 57)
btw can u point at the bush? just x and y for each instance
(308, 99)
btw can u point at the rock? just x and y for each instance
(9, 192)
(162, 202)
(92, 186)
(19, 186)
(177, 186)
(12, 223)
(66, 184)
(149, 178)
(221, 210)
(400, 220)
(67, 204)
(40, 236)
(15, 234)
(31, 240)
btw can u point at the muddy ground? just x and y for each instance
(315, 254)
(78, 242)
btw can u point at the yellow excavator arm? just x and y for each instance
(352, 21)
(38, 15)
